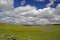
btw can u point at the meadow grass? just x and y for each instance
(45, 32)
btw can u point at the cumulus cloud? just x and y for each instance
(29, 15)
(6, 5)
(57, 11)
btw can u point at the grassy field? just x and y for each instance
(46, 32)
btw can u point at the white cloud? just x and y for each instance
(51, 3)
(6, 5)
(29, 15)
(22, 2)
(57, 11)
(52, 0)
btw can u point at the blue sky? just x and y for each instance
(37, 4)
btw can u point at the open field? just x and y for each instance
(46, 32)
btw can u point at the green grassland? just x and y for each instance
(45, 32)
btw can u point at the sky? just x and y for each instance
(38, 4)
(30, 12)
